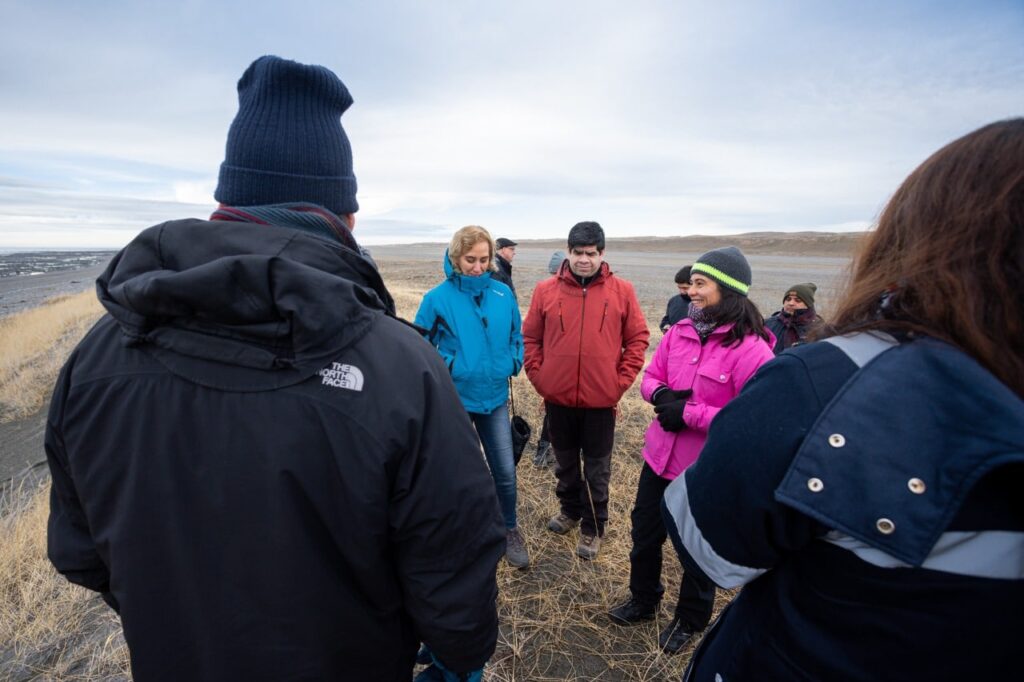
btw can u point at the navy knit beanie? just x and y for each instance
(286, 143)
(727, 266)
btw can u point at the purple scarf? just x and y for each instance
(702, 321)
(301, 216)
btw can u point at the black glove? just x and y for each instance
(670, 415)
(667, 395)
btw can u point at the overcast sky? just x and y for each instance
(654, 118)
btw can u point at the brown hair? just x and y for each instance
(947, 256)
(465, 239)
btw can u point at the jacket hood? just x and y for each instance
(242, 306)
(462, 282)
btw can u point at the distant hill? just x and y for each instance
(840, 244)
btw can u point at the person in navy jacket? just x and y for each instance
(263, 471)
(473, 321)
(864, 490)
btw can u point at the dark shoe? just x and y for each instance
(562, 524)
(588, 546)
(515, 549)
(632, 612)
(544, 455)
(674, 637)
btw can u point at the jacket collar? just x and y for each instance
(565, 274)
(461, 282)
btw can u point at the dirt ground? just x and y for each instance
(651, 266)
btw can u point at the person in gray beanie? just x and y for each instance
(264, 472)
(701, 364)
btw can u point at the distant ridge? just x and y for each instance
(806, 243)
(839, 244)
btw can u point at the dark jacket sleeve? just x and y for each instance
(447, 530)
(725, 518)
(69, 542)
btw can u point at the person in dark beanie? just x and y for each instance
(585, 338)
(263, 471)
(677, 305)
(797, 319)
(700, 365)
(506, 251)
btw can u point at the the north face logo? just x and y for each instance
(342, 376)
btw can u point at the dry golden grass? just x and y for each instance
(35, 343)
(553, 616)
(49, 628)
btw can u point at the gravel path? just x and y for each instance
(28, 291)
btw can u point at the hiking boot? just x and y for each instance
(515, 549)
(544, 456)
(562, 524)
(674, 637)
(588, 546)
(632, 612)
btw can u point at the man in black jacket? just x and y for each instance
(503, 259)
(263, 471)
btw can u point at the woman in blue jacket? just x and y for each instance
(473, 321)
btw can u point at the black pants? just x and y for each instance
(696, 592)
(582, 434)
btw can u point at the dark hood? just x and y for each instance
(241, 306)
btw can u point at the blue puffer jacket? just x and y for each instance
(474, 323)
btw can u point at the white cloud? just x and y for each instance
(658, 118)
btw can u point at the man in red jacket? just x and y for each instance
(585, 338)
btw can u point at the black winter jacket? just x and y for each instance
(504, 273)
(269, 476)
(677, 309)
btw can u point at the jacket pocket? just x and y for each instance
(713, 386)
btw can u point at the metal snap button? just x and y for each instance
(916, 486)
(885, 526)
(837, 440)
(815, 485)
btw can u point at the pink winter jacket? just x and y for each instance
(715, 373)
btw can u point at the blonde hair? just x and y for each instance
(465, 239)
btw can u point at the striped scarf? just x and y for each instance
(301, 216)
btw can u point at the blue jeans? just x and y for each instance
(495, 433)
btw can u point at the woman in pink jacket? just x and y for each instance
(701, 363)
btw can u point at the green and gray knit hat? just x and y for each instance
(727, 266)
(805, 291)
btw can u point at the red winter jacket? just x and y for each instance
(584, 345)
